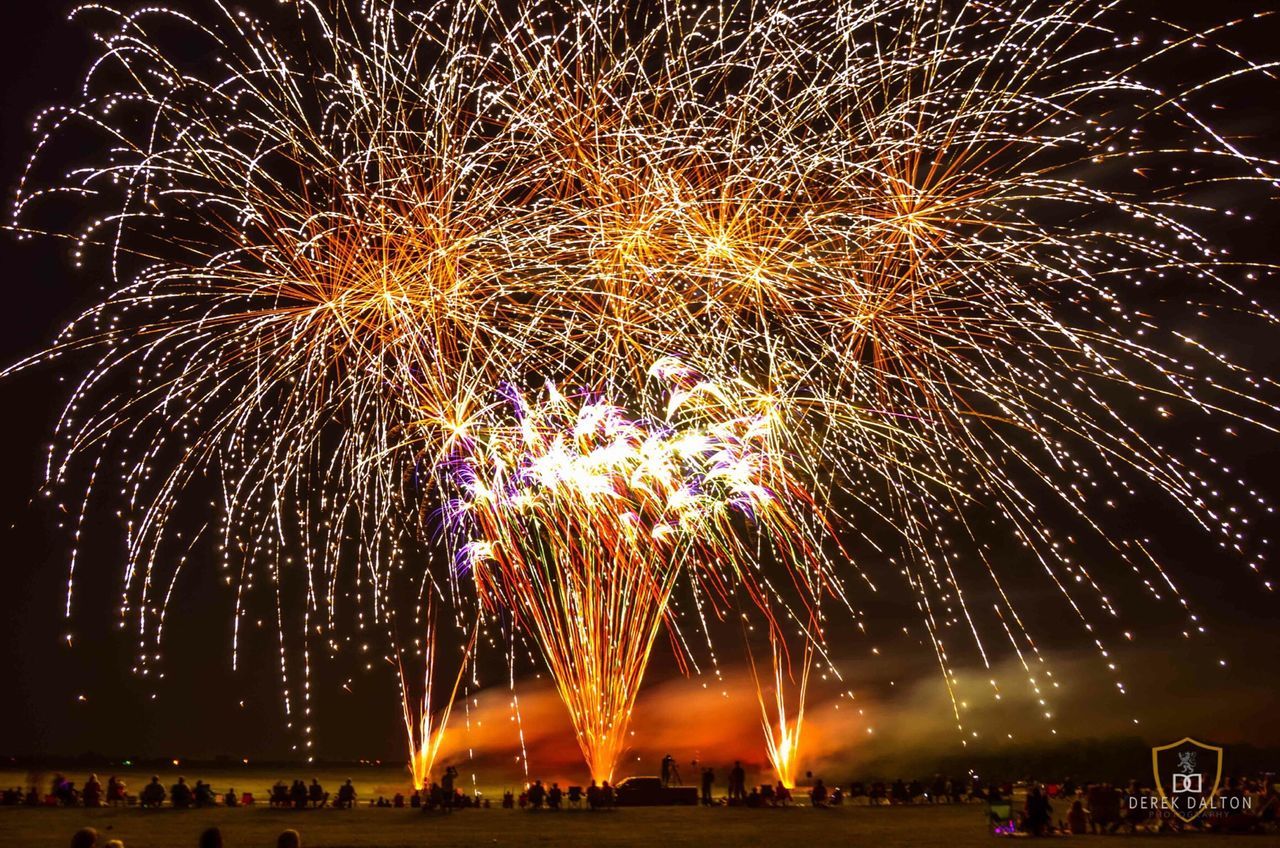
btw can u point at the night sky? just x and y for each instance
(201, 709)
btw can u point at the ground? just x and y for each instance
(881, 827)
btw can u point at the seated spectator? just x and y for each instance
(537, 794)
(65, 792)
(397, 801)
(415, 800)
(203, 795)
(289, 839)
(818, 794)
(346, 795)
(554, 795)
(85, 837)
(782, 794)
(298, 794)
(316, 794)
(509, 800)
(115, 791)
(1104, 808)
(153, 793)
(767, 796)
(753, 798)
(180, 794)
(231, 799)
(92, 792)
(211, 838)
(1077, 821)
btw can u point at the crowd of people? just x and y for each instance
(1242, 805)
(1034, 808)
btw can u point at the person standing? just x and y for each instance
(737, 783)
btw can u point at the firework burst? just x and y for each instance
(928, 256)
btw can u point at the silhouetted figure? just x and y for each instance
(346, 795)
(153, 793)
(115, 791)
(767, 798)
(1077, 820)
(1104, 808)
(289, 839)
(837, 797)
(446, 786)
(536, 795)
(64, 792)
(415, 800)
(316, 794)
(231, 799)
(737, 783)
(818, 794)
(211, 838)
(298, 794)
(575, 797)
(708, 780)
(607, 795)
(899, 792)
(667, 763)
(754, 800)
(92, 792)
(204, 796)
(554, 796)
(180, 794)
(509, 800)
(782, 794)
(1038, 812)
(85, 837)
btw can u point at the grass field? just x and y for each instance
(675, 827)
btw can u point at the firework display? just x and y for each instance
(554, 313)
(581, 521)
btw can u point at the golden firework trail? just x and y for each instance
(782, 718)
(425, 721)
(580, 520)
(961, 262)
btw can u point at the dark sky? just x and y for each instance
(1175, 687)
